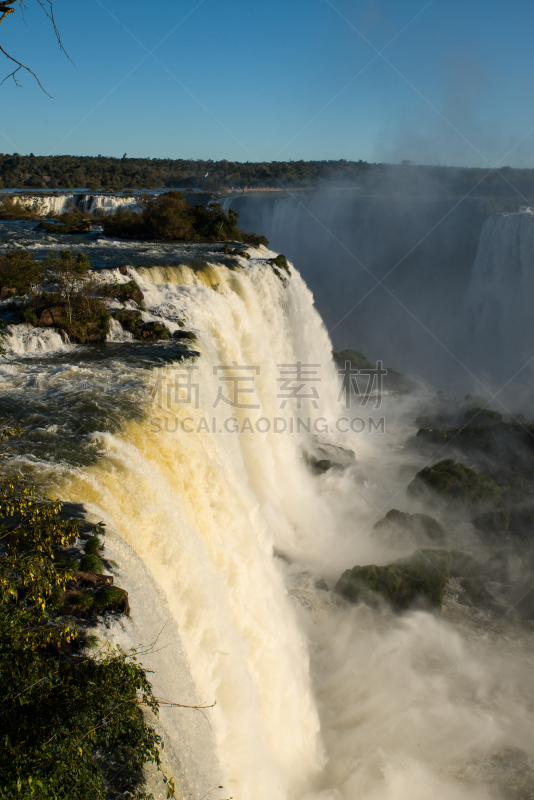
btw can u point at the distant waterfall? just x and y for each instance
(54, 205)
(453, 305)
(499, 299)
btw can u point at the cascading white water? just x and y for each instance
(54, 205)
(498, 304)
(315, 699)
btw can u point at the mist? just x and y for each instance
(435, 286)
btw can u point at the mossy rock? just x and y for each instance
(463, 565)
(130, 319)
(453, 480)
(399, 529)
(420, 578)
(391, 380)
(432, 436)
(185, 335)
(357, 360)
(84, 331)
(153, 331)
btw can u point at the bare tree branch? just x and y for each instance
(48, 8)
(21, 66)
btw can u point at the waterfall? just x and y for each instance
(498, 304)
(221, 530)
(204, 512)
(54, 205)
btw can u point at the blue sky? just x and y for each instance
(289, 79)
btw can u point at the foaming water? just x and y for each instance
(53, 205)
(222, 534)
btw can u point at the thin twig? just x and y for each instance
(21, 66)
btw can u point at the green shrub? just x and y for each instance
(281, 262)
(92, 546)
(70, 222)
(112, 596)
(91, 563)
(20, 272)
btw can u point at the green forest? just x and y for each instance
(102, 173)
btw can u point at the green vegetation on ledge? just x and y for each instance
(73, 723)
(170, 217)
(71, 304)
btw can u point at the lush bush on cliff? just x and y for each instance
(70, 222)
(72, 722)
(20, 273)
(10, 209)
(71, 303)
(169, 216)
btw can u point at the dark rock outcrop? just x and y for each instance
(418, 579)
(399, 529)
(453, 480)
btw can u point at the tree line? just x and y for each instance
(119, 174)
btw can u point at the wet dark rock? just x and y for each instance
(90, 594)
(481, 416)
(523, 598)
(323, 465)
(399, 529)
(492, 524)
(52, 316)
(123, 291)
(508, 565)
(321, 584)
(474, 592)
(418, 579)
(392, 381)
(132, 321)
(464, 565)
(453, 480)
(185, 335)
(522, 524)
